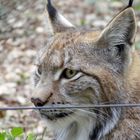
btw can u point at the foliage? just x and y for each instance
(16, 132)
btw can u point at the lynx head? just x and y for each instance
(80, 66)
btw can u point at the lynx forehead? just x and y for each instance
(56, 52)
(85, 66)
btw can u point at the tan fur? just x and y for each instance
(112, 78)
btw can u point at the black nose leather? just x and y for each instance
(37, 102)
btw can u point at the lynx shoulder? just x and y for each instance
(80, 66)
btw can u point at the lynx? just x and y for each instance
(86, 66)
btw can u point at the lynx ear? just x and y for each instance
(117, 38)
(121, 30)
(58, 22)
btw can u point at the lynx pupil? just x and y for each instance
(68, 73)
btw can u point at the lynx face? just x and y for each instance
(80, 66)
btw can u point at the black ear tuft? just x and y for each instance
(58, 22)
(51, 10)
(130, 3)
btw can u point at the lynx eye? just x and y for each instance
(69, 73)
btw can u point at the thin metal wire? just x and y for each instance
(68, 107)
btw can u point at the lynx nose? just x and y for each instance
(37, 102)
(41, 102)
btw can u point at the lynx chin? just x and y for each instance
(86, 66)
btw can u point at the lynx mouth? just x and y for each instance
(55, 114)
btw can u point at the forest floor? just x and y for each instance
(23, 30)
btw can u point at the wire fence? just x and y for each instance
(57, 107)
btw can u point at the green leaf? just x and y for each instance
(8, 136)
(16, 131)
(31, 137)
(2, 136)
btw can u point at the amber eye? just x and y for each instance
(68, 73)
